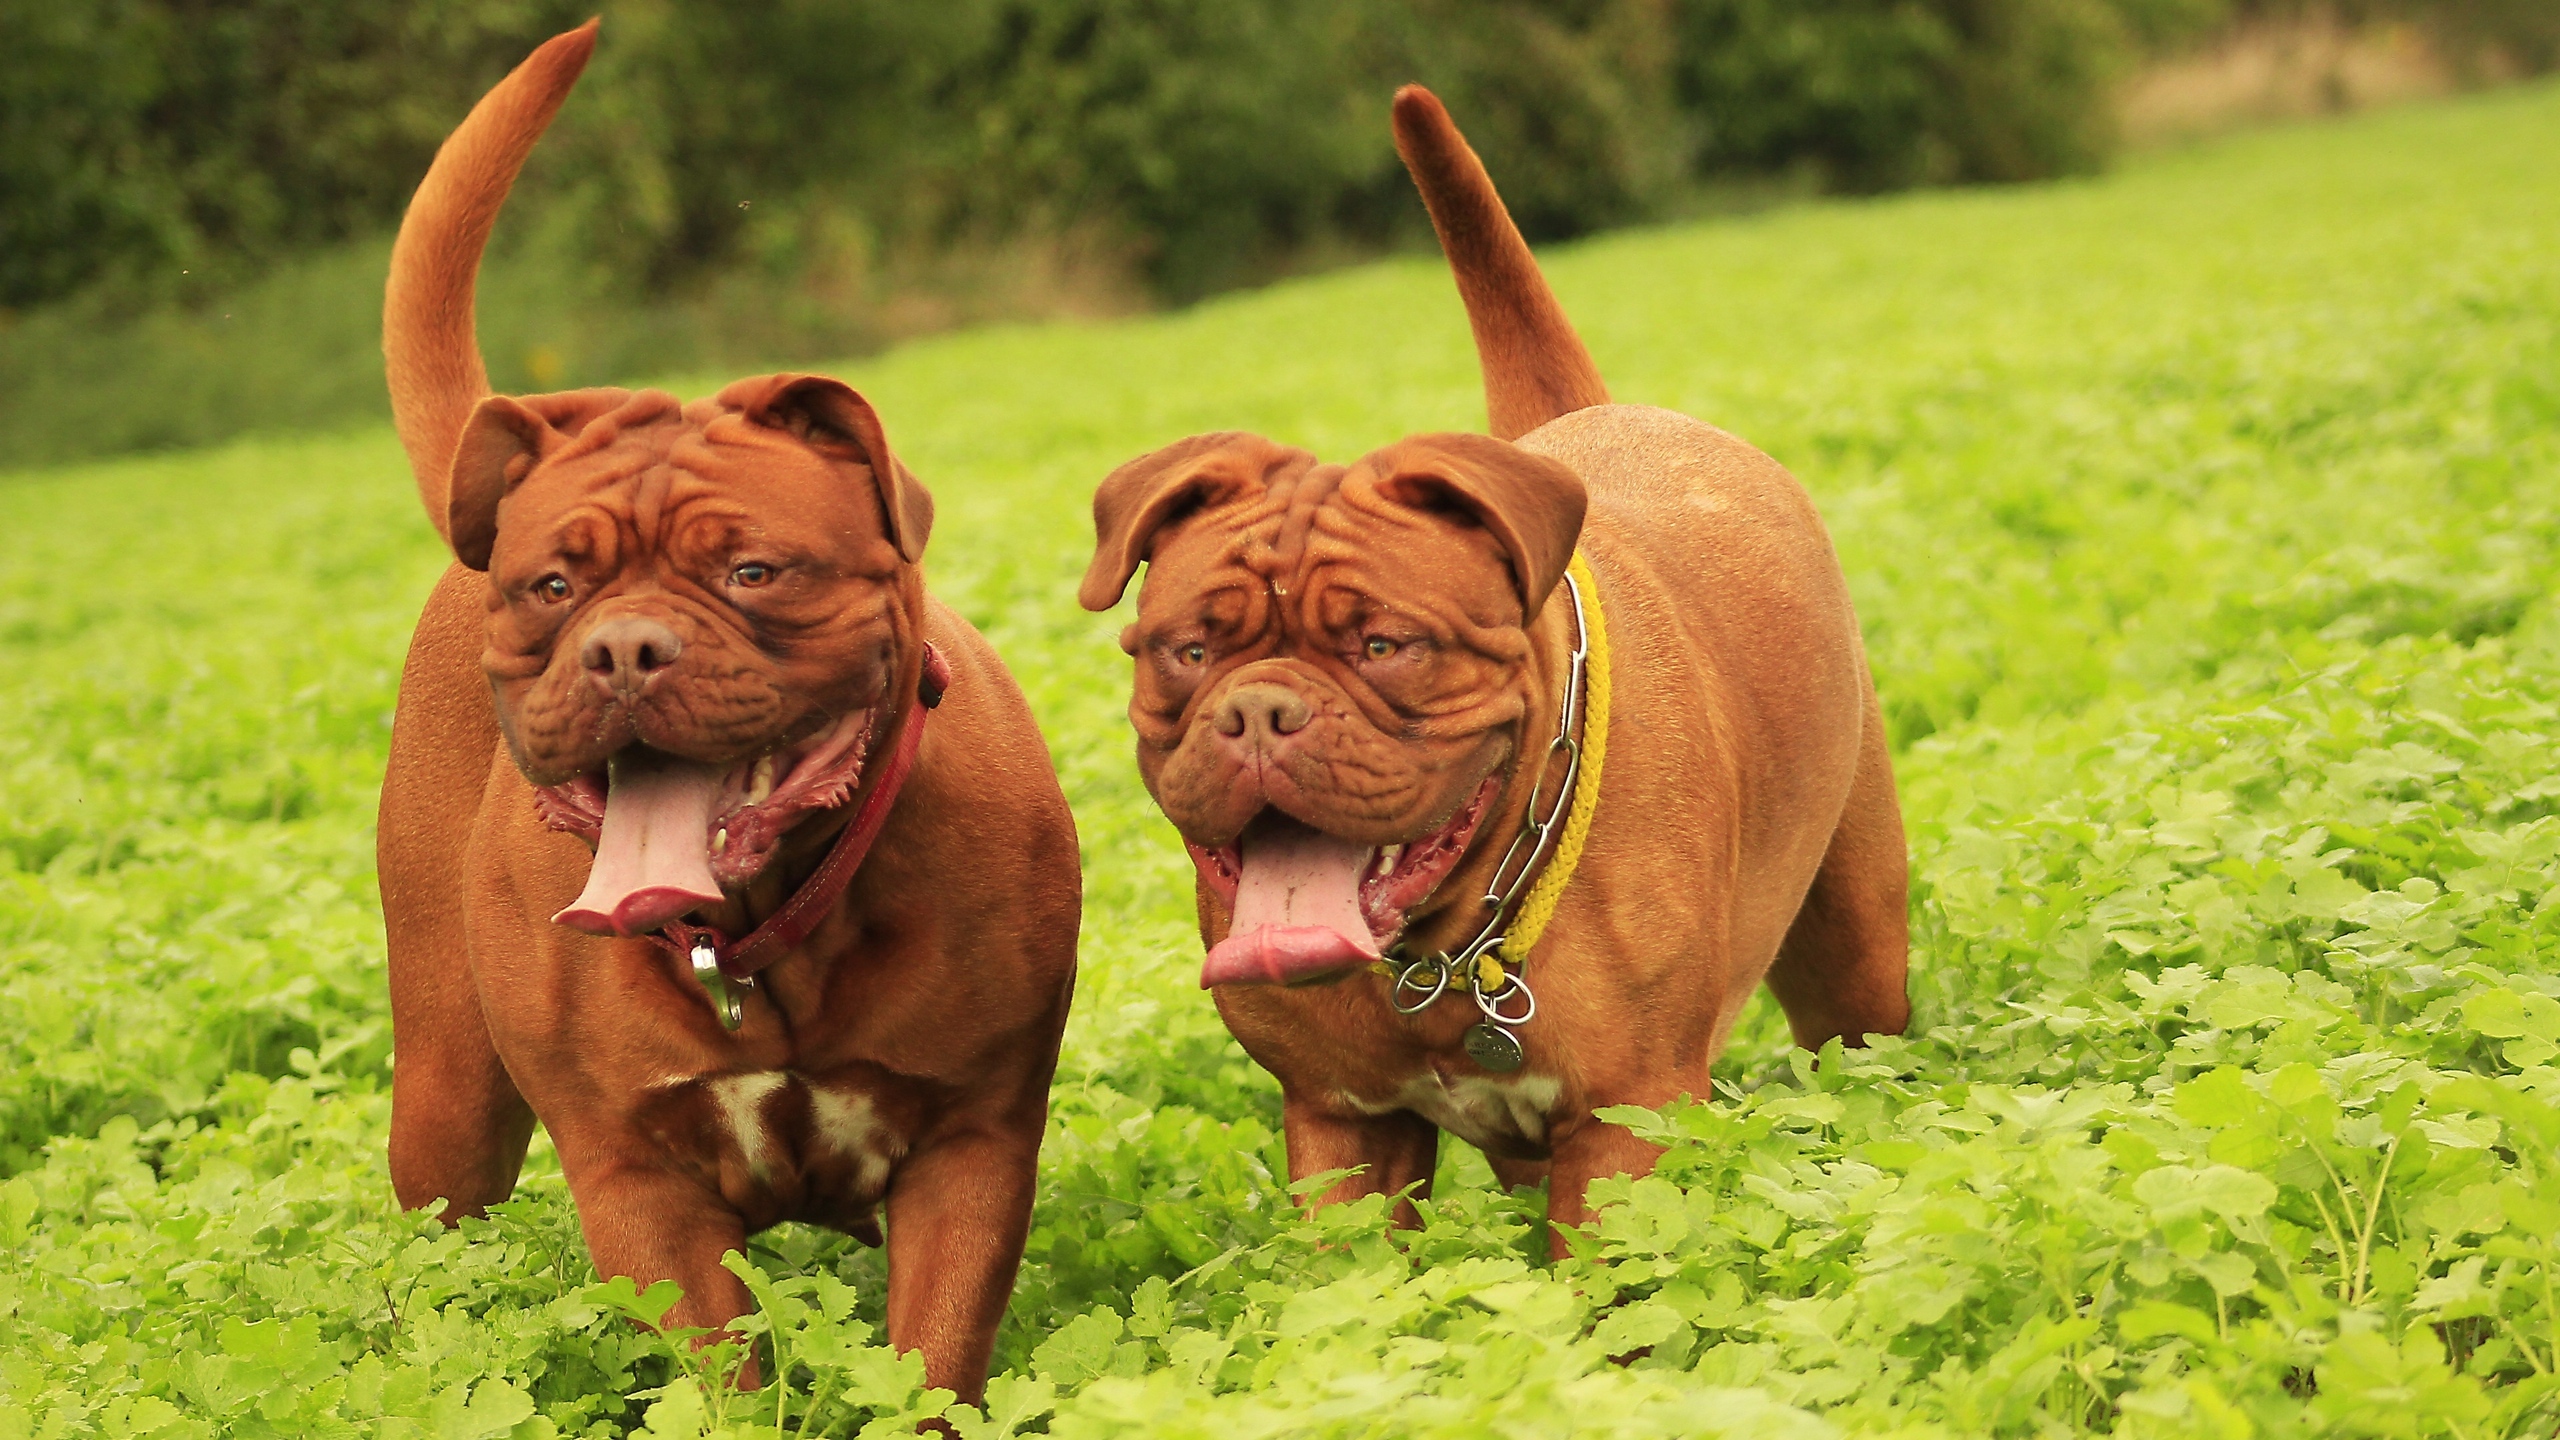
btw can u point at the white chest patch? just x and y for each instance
(842, 1124)
(1476, 1107)
(850, 1126)
(741, 1099)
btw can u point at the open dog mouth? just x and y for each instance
(671, 833)
(1308, 906)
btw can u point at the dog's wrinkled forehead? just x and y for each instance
(645, 445)
(1276, 512)
(605, 436)
(629, 451)
(1327, 524)
(606, 447)
(762, 436)
(1268, 535)
(640, 422)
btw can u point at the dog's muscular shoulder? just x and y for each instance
(1713, 542)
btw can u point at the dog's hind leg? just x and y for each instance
(458, 1127)
(1842, 968)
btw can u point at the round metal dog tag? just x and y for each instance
(1493, 1047)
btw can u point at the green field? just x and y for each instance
(2202, 520)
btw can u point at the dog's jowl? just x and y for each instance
(1509, 765)
(708, 837)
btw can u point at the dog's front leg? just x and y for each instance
(1390, 1151)
(1592, 1151)
(958, 1214)
(655, 1225)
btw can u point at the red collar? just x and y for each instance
(737, 962)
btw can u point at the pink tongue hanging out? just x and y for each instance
(652, 861)
(1297, 907)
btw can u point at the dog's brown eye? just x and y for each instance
(1379, 647)
(751, 575)
(1193, 653)
(551, 589)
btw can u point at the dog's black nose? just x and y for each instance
(626, 653)
(1261, 714)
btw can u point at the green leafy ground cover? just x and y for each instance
(2202, 521)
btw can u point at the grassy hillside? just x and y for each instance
(2202, 522)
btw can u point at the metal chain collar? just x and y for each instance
(1500, 990)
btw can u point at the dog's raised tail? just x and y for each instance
(431, 354)
(1535, 367)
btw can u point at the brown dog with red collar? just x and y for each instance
(713, 661)
(1346, 677)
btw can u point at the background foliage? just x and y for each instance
(153, 137)
(2201, 519)
(184, 181)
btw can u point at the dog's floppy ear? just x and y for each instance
(834, 419)
(1531, 504)
(507, 436)
(1162, 486)
(499, 445)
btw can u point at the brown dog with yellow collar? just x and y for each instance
(1403, 754)
(704, 890)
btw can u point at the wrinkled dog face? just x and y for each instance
(1330, 665)
(695, 614)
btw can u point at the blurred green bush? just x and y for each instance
(181, 179)
(166, 147)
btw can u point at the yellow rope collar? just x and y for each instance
(1540, 905)
(1430, 976)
